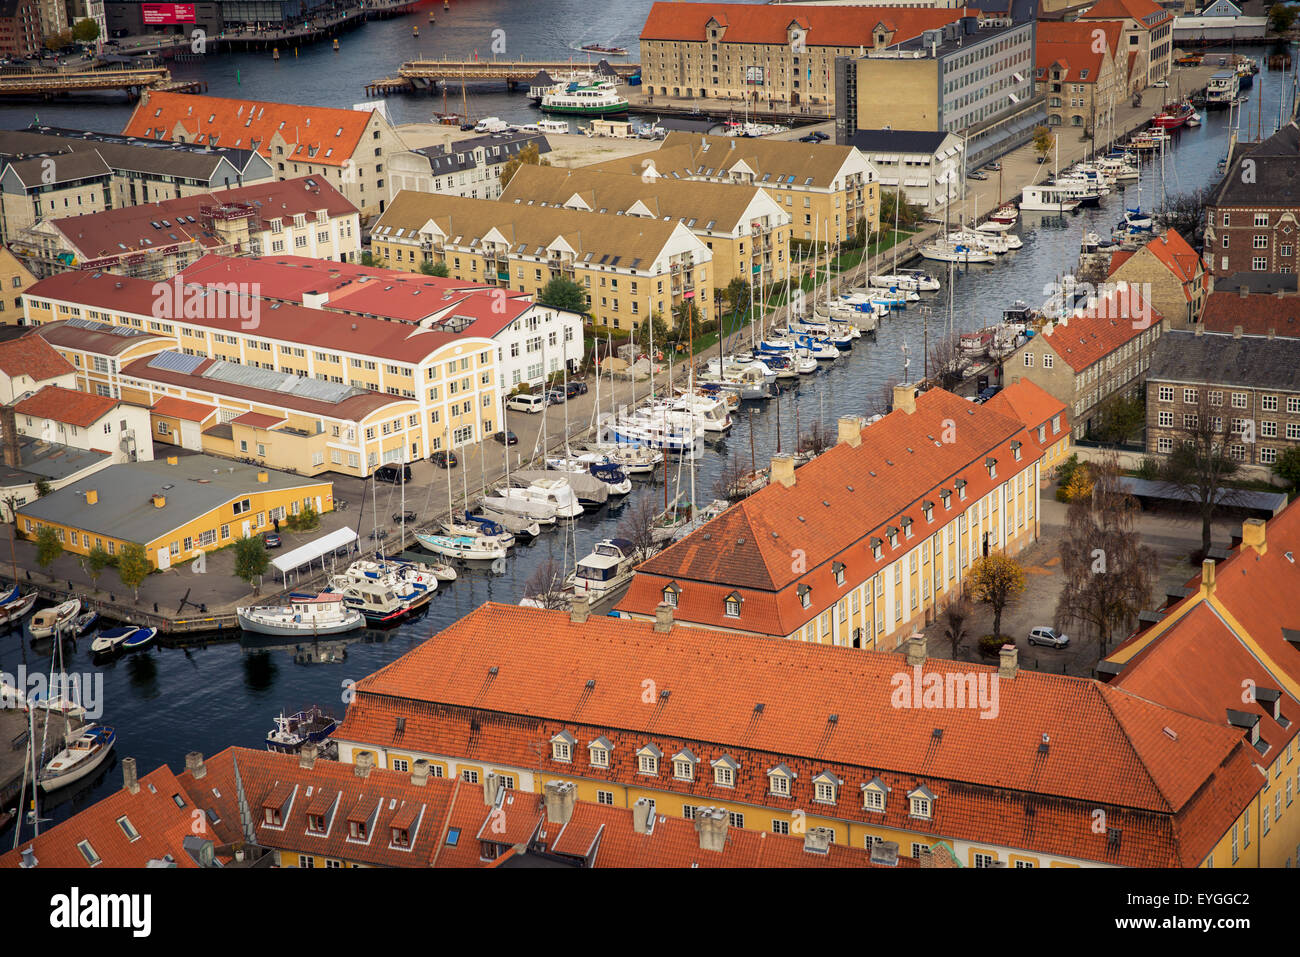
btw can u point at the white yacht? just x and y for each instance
(554, 492)
(956, 253)
(496, 506)
(608, 566)
(321, 614)
(1051, 199)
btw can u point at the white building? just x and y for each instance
(925, 164)
(470, 167)
(81, 420)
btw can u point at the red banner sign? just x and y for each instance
(158, 14)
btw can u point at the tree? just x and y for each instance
(894, 203)
(368, 259)
(1200, 465)
(250, 559)
(995, 580)
(545, 586)
(639, 526)
(1281, 17)
(1185, 214)
(562, 293)
(1108, 572)
(1119, 418)
(96, 561)
(43, 488)
(530, 155)
(738, 294)
(817, 439)
(1079, 484)
(1043, 140)
(945, 359)
(133, 566)
(656, 332)
(955, 613)
(1287, 466)
(48, 546)
(85, 31)
(59, 40)
(431, 268)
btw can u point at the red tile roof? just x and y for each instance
(1147, 13)
(161, 824)
(258, 420)
(67, 405)
(99, 339)
(32, 356)
(1027, 402)
(1097, 331)
(1073, 46)
(839, 501)
(323, 135)
(499, 683)
(762, 23)
(1173, 252)
(1257, 314)
(176, 408)
(102, 235)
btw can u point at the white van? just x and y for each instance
(526, 403)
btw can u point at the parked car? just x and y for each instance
(976, 174)
(506, 438)
(444, 460)
(810, 138)
(404, 518)
(821, 137)
(526, 403)
(1048, 637)
(994, 167)
(556, 396)
(1042, 158)
(393, 475)
(271, 540)
(986, 394)
(576, 388)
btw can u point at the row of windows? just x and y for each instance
(1239, 400)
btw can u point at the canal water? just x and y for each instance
(165, 702)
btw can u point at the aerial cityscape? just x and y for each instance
(650, 434)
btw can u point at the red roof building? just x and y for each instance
(1172, 274)
(66, 406)
(1046, 416)
(28, 363)
(1147, 36)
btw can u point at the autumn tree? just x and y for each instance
(1043, 140)
(545, 586)
(1201, 465)
(530, 155)
(641, 527)
(133, 566)
(1108, 572)
(996, 580)
(956, 613)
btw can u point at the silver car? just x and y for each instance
(1049, 637)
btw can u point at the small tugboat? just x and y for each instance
(49, 620)
(309, 726)
(321, 614)
(85, 751)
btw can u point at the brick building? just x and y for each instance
(1083, 84)
(1255, 313)
(20, 28)
(1146, 51)
(1253, 218)
(1171, 275)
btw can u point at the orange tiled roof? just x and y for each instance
(67, 405)
(170, 405)
(1073, 45)
(1147, 13)
(506, 679)
(32, 356)
(1074, 33)
(839, 501)
(258, 420)
(1027, 402)
(162, 827)
(762, 23)
(1097, 331)
(1257, 314)
(315, 134)
(1173, 252)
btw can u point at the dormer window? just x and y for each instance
(961, 489)
(724, 771)
(684, 765)
(1015, 450)
(826, 788)
(562, 746)
(1042, 433)
(357, 830)
(892, 534)
(316, 823)
(647, 760)
(670, 594)
(992, 465)
(732, 605)
(599, 752)
(921, 802)
(927, 509)
(1056, 424)
(837, 569)
(874, 793)
(805, 595)
(875, 544)
(401, 837)
(907, 526)
(779, 780)
(271, 816)
(946, 496)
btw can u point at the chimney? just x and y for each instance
(1236, 332)
(559, 797)
(916, 651)
(420, 773)
(663, 618)
(307, 755)
(711, 823)
(1207, 577)
(1252, 535)
(905, 398)
(29, 858)
(490, 788)
(1199, 330)
(579, 609)
(885, 853)
(1242, 291)
(129, 780)
(92, 496)
(850, 430)
(783, 470)
(9, 423)
(173, 460)
(263, 477)
(1008, 661)
(363, 763)
(194, 764)
(817, 840)
(643, 815)
(159, 500)
(1272, 332)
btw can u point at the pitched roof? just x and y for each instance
(317, 134)
(1027, 402)
(1273, 181)
(67, 405)
(32, 356)
(1219, 359)
(1147, 13)
(1097, 330)
(104, 338)
(176, 408)
(1172, 252)
(992, 780)
(1257, 314)
(837, 26)
(925, 142)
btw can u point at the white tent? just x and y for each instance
(320, 547)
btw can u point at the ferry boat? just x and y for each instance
(1222, 89)
(608, 567)
(291, 732)
(598, 48)
(1053, 199)
(598, 98)
(84, 752)
(320, 614)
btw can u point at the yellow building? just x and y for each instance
(14, 280)
(177, 507)
(825, 189)
(630, 268)
(747, 232)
